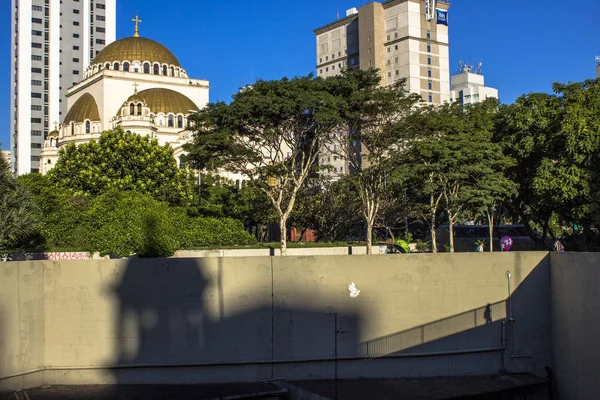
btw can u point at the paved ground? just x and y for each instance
(471, 388)
(147, 392)
(480, 387)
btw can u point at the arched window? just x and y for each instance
(156, 69)
(128, 132)
(139, 109)
(180, 121)
(172, 71)
(107, 66)
(170, 123)
(131, 109)
(88, 126)
(164, 70)
(146, 68)
(126, 67)
(51, 142)
(72, 128)
(116, 66)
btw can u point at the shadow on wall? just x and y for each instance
(178, 313)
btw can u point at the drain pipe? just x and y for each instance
(511, 322)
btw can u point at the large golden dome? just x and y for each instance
(167, 101)
(84, 108)
(136, 49)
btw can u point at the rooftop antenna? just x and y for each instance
(337, 15)
(479, 69)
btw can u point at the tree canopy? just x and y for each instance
(122, 161)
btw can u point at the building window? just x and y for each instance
(389, 74)
(36, 108)
(389, 49)
(75, 72)
(430, 85)
(430, 98)
(428, 34)
(429, 60)
(36, 33)
(139, 109)
(37, 8)
(75, 47)
(100, 6)
(397, 72)
(116, 66)
(36, 83)
(321, 60)
(88, 126)
(36, 133)
(429, 73)
(100, 41)
(36, 58)
(36, 20)
(172, 71)
(396, 47)
(156, 69)
(180, 121)
(146, 68)
(170, 121)
(321, 71)
(99, 17)
(164, 70)
(36, 120)
(333, 67)
(76, 23)
(126, 66)
(76, 60)
(35, 158)
(396, 35)
(429, 48)
(76, 35)
(36, 95)
(131, 109)
(36, 45)
(75, 11)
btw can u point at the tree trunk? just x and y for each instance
(434, 248)
(283, 230)
(369, 237)
(392, 235)
(451, 230)
(490, 216)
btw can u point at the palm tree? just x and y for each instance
(18, 212)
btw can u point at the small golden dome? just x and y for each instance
(84, 108)
(135, 98)
(54, 133)
(167, 101)
(136, 48)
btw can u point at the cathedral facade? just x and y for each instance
(134, 83)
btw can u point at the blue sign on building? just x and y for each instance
(442, 16)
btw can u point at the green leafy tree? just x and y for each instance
(122, 161)
(368, 138)
(270, 133)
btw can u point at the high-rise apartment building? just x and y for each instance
(53, 42)
(468, 86)
(402, 38)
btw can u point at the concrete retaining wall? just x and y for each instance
(575, 287)
(246, 319)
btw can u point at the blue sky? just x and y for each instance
(524, 45)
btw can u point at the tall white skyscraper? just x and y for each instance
(53, 42)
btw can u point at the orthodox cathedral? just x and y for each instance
(134, 83)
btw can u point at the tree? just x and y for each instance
(368, 138)
(18, 213)
(270, 134)
(122, 161)
(452, 147)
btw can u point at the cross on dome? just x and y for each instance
(137, 22)
(135, 87)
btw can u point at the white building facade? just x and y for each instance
(53, 42)
(137, 84)
(468, 86)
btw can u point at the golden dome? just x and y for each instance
(136, 48)
(167, 101)
(135, 98)
(84, 108)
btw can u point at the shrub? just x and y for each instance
(202, 232)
